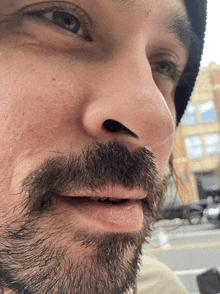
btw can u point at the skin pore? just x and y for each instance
(87, 106)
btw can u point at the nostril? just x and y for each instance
(114, 126)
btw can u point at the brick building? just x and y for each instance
(197, 142)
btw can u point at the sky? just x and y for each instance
(212, 37)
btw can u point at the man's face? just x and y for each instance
(87, 110)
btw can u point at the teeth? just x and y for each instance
(105, 198)
(95, 198)
(114, 199)
(102, 199)
(98, 198)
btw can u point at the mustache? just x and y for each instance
(98, 166)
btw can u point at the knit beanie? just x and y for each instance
(197, 12)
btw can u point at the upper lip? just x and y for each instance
(111, 192)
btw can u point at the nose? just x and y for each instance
(125, 102)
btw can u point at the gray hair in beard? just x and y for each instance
(97, 167)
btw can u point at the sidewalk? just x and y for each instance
(171, 223)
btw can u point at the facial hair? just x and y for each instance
(36, 251)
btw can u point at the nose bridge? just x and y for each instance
(126, 92)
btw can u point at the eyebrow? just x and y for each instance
(180, 26)
(177, 24)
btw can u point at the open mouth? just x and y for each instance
(103, 200)
(107, 214)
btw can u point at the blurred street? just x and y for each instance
(187, 250)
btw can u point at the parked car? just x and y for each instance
(209, 200)
(212, 213)
(172, 208)
(204, 203)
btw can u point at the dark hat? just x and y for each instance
(197, 12)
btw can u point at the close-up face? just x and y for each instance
(87, 114)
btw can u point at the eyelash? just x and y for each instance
(85, 24)
(75, 12)
(175, 73)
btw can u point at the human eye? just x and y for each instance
(167, 69)
(62, 16)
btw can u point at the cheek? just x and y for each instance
(168, 93)
(162, 154)
(36, 103)
(163, 151)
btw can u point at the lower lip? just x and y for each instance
(125, 217)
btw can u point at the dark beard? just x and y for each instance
(32, 261)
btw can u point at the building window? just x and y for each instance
(193, 146)
(189, 116)
(212, 143)
(207, 111)
(183, 176)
